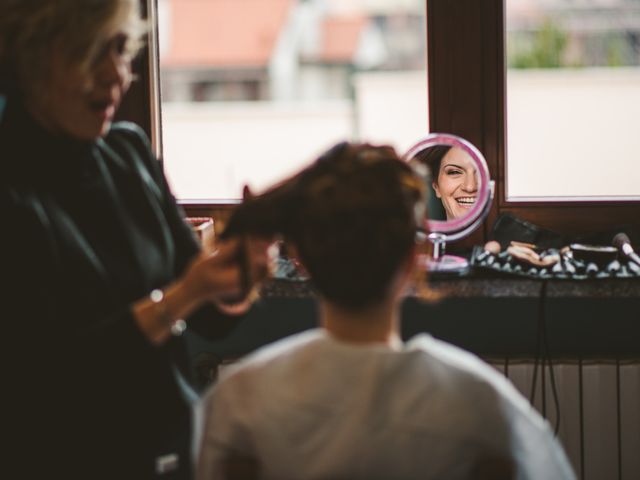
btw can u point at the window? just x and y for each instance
(252, 90)
(468, 95)
(573, 100)
(467, 88)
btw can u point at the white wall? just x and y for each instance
(212, 150)
(569, 134)
(573, 133)
(392, 107)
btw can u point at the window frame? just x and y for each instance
(467, 90)
(466, 45)
(142, 105)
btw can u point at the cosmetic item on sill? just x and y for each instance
(622, 243)
(288, 268)
(599, 255)
(574, 262)
(530, 254)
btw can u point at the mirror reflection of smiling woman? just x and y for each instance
(98, 263)
(456, 182)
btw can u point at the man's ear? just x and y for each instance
(436, 189)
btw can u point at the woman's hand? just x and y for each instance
(227, 273)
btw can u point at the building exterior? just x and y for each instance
(282, 50)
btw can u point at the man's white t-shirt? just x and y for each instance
(312, 407)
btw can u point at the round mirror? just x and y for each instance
(459, 193)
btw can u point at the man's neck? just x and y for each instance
(376, 324)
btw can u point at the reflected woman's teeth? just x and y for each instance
(466, 201)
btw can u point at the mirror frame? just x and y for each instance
(459, 227)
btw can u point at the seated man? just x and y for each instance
(351, 400)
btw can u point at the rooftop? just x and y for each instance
(224, 33)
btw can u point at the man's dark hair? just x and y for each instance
(352, 216)
(358, 223)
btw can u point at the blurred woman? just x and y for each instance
(100, 266)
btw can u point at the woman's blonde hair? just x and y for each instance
(29, 29)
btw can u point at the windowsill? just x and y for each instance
(288, 283)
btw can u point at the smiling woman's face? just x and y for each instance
(457, 183)
(69, 61)
(80, 104)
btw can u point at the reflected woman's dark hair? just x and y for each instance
(432, 158)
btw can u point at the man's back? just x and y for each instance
(312, 407)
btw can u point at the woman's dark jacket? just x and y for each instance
(87, 229)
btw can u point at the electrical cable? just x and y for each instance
(538, 354)
(552, 377)
(542, 343)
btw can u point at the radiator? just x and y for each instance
(599, 406)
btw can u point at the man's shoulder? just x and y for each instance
(459, 369)
(274, 355)
(451, 358)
